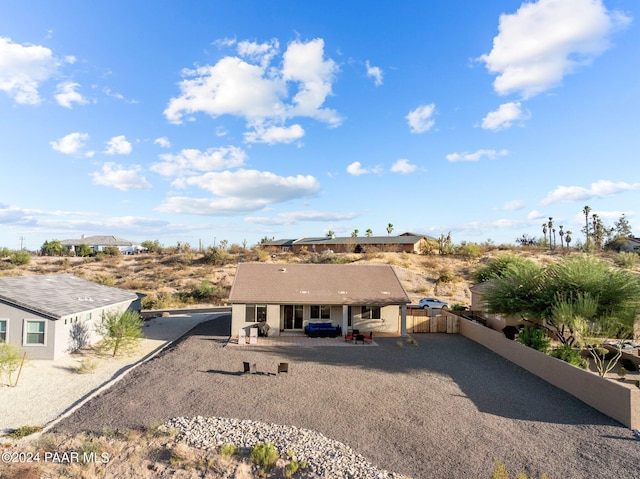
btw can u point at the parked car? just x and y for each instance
(433, 303)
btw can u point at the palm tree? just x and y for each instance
(586, 210)
(561, 233)
(331, 234)
(567, 237)
(389, 229)
(550, 225)
(544, 231)
(369, 233)
(355, 233)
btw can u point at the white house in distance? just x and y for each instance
(38, 312)
(99, 243)
(290, 296)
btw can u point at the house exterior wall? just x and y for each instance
(57, 332)
(389, 322)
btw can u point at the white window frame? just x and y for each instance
(257, 310)
(25, 336)
(6, 329)
(370, 312)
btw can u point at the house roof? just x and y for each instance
(100, 240)
(59, 295)
(274, 283)
(405, 238)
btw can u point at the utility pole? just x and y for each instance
(21, 243)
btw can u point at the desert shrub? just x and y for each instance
(4, 252)
(568, 354)
(160, 300)
(217, 256)
(447, 276)
(291, 468)
(105, 280)
(152, 246)
(498, 267)
(264, 455)
(627, 259)
(459, 307)
(121, 331)
(84, 250)
(20, 258)
(10, 358)
(534, 338)
(24, 431)
(87, 366)
(469, 250)
(428, 247)
(111, 251)
(227, 450)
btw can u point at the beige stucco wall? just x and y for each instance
(388, 323)
(609, 397)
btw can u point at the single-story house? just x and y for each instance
(290, 296)
(99, 243)
(39, 313)
(631, 245)
(409, 243)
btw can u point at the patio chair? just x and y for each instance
(242, 337)
(369, 338)
(283, 368)
(253, 336)
(359, 337)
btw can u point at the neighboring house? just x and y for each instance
(289, 296)
(99, 243)
(632, 245)
(494, 321)
(407, 242)
(38, 312)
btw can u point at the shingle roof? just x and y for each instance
(59, 295)
(362, 240)
(102, 240)
(316, 284)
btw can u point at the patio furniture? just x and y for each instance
(359, 337)
(322, 330)
(242, 336)
(249, 368)
(369, 337)
(263, 329)
(253, 336)
(283, 368)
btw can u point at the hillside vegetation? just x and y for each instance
(177, 279)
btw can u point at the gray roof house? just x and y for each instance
(38, 313)
(631, 245)
(99, 243)
(290, 296)
(407, 242)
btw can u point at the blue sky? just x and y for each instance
(199, 121)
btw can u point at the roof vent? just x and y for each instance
(342, 292)
(385, 292)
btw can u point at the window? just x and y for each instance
(255, 313)
(35, 332)
(370, 312)
(88, 317)
(321, 311)
(3, 330)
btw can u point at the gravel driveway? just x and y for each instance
(447, 408)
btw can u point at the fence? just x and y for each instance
(430, 321)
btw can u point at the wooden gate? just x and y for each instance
(430, 321)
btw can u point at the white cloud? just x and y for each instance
(476, 155)
(72, 144)
(66, 95)
(239, 192)
(23, 68)
(535, 215)
(259, 93)
(403, 166)
(356, 169)
(274, 134)
(190, 161)
(116, 176)
(421, 119)
(504, 116)
(599, 189)
(512, 205)
(375, 73)
(118, 145)
(297, 216)
(163, 142)
(546, 40)
(254, 185)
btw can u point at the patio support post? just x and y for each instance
(403, 320)
(345, 318)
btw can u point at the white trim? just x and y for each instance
(26, 321)
(6, 328)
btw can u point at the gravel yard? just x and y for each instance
(447, 408)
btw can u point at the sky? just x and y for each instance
(203, 121)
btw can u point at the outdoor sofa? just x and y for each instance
(322, 330)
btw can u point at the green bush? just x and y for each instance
(534, 338)
(568, 354)
(265, 456)
(24, 431)
(19, 258)
(627, 259)
(121, 331)
(227, 450)
(111, 251)
(469, 250)
(10, 358)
